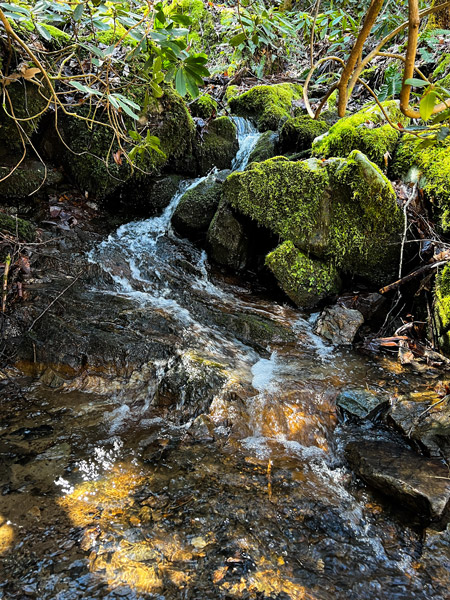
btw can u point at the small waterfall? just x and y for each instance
(248, 135)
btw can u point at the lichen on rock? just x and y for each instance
(305, 280)
(267, 105)
(366, 130)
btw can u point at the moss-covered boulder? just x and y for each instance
(267, 105)
(227, 240)
(442, 308)
(203, 107)
(90, 160)
(341, 210)
(15, 226)
(366, 130)
(196, 208)
(265, 147)
(305, 280)
(430, 168)
(297, 134)
(27, 178)
(25, 101)
(218, 146)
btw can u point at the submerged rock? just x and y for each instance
(361, 403)
(366, 130)
(339, 325)
(399, 472)
(266, 104)
(197, 207)
(305, 280)
(298, 134)
(226, 239)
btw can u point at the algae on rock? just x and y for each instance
(267, 105)
(366, 130)
(305, 280)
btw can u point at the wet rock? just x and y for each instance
(202, 428)
(430, 428)
(226, 239)
(218, 146)
(368, 304)
(339, 325)
(297, 134)
(27, 178)
(147, 197)
(399, 472)
(305, 280)
(361, 403)
(264, 147)
(196, 208)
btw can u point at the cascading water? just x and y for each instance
(247, 496)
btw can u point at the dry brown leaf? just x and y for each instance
(30, 73)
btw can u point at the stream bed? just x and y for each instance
(206, 461)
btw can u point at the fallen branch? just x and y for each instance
(55, 300)
(437, 261)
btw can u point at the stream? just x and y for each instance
(217, 470)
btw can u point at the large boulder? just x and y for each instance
(227, 240)
(267, 105)
(305, 280)
(297, 134)
(197, 207)
(265, 147)
(90, 159)
(218, 146)
(203, 107)
(366, 130)
(341, 210)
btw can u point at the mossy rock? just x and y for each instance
(218, 147)
(197, 208)
(13, 225)
(367, 131)
(430, 168)
(442, 308)
(265, 147)
(341, 210)
(29, 176)
(91, 164)
(267, 105)
(227, 241)
(232, 91)
(203, 107)
(305, 280)
(26, 102)
(297, 134)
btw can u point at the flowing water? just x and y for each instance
(223, 476)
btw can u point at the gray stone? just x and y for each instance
(226, 239)
(339, 325)
(196, 208)
(264, 147)
(361, 403)
(399, 472)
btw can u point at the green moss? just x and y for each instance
(366, 131)
(219, 145)
(232, 92)
(342, 210)
(442, 307)
(59, 37)
(226, 239)
(25, 230)
(305, 280)
(298, 134)
(204, 107)
(27, 102)
(197, 207)
(266, 104)
(431, 168)
(26, 179)
(92, 165)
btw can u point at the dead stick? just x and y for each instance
(5, 281)
(406, 278)
(55, 300)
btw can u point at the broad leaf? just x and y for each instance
(427, 104)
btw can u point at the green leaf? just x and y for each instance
(78, 12)
(128, 110)
(427, 104)
(416, 82)
(180, 82)
(84, 88)
(192, 86)
(182, 20)
(238, 39)
(43, 31)
(15, 8)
